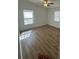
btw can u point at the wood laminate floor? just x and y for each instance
(44, 40)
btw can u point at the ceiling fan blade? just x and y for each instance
(50, 3)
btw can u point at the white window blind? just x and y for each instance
(57, 16)
(28, 17)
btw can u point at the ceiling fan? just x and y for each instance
(47, 3)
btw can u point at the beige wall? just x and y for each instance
(40, 15)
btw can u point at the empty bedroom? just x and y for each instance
(39, 29)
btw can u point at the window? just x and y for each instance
(57, 16)
(28, 17)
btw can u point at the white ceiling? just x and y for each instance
(39, 2)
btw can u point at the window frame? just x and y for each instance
(57, 16)
(28, 18)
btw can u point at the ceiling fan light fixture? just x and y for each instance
(45, 5)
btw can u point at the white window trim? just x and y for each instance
(28, 18)
(56, 16)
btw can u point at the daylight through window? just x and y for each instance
(28, 17)
(57, 16)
